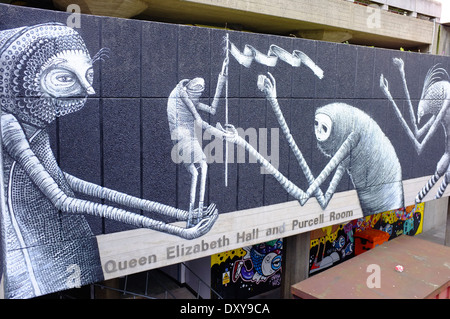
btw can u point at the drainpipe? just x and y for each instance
(432, 38)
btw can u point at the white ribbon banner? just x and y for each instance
(295, 59)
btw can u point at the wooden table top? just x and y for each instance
(426, 273)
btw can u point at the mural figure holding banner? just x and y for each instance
(183, 120)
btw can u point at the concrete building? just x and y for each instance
(411, 24)
(415, 25)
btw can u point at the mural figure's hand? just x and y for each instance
(225, 67)
(268, 86)
(202, 227)
(399, 63)
(384, 85)
(228, 133)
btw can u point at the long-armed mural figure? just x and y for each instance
(434, 101)
(47, 72)
(349, 137)
(355, 144)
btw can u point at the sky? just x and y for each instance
(445, 17)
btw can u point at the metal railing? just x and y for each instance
(201, 281)
(128, 292)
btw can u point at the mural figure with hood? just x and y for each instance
(46, 72)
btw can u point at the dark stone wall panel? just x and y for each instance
(346, 61)
(364, 73)
(121, 150)
(159, 59)
(326, 59)
(304, 81)
(121, 74)
(159, 172)
(250, 187)
(121, 138)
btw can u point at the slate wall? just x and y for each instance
(121, 140)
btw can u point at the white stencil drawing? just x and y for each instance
(354, 143)
(349, 137)
(276, 53)
(434, 101)
(184, 119)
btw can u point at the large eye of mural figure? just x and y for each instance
(270, 264)
(70, 74)
(53, 77)
(60, 83)
(196, 85)
(90, 75)
(322, 127)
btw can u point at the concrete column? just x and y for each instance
(435, 213)
(447, 229)
(326, 35)
(295, 262)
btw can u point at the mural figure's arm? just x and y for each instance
(17, 146)
(432, 125)
(217, 131)
(221, 80)
(290, 187)
(268, 86)
(96, 191)
(418, 133)
(336, 162)
(401, 67)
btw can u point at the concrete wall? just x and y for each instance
(425, 7)
(335, 15)
(120, 139)
(444, 42)
(435, 214)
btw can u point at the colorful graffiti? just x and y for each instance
(335, 244)
(248, 271)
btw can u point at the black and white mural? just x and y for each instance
(122, 125)
(434, 101)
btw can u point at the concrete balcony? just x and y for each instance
(330, 20)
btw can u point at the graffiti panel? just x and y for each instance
(248, 271)
(335, 244)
